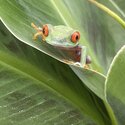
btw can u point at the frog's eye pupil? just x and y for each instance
(75, 37)
(45, 30)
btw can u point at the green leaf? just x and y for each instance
(115, 86)
(45, 71)
(25, 34)
(105, 33)
(92, 79)
(41, 12)
(119, 6)
(110, 12)
(22, 102)
(67, 84)
(97, 32)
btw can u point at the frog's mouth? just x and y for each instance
(62, 43)
(65, 45)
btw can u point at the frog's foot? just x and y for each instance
(73, 63)
(39, 34)
(78, 64)
(35, 27)
(68, 61)
(86, 66)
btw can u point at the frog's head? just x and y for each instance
(62, 36)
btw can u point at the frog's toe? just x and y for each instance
(88, 59)
(78, 64)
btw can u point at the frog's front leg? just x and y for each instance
(88, 61)
(67, 61)
(39, 32)
(72, 62)
(86, 66)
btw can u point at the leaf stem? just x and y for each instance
(117, 7)
(110, 12)
(111, 113)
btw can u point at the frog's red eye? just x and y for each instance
(45, 30)
(75, 37)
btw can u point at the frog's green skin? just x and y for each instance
(60, 36)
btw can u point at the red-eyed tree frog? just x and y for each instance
(65, 39)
